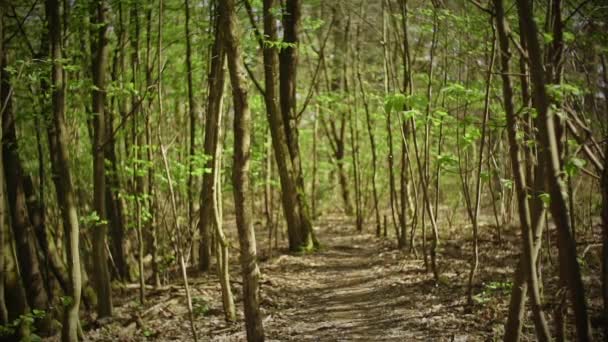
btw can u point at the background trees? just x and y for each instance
(423, 122)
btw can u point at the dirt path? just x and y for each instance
(359, 289)
(356, 288)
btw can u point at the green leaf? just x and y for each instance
(506, 183)
(568, 37)
(546, 198)
(394, 102)
(412, 113)
(574, 165)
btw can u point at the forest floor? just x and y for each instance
(356, 288)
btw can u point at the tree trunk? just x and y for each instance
(569, 268)
(193, 113)
(292, 209)
(215, 84)
(372, 146)
(288, 61)
(114, 202)
(604, 276)
(526, 269)
(3, 270)
(63, 184)
(3, 310)
(242, 199)
(23, 230)
(221, 251)
(102, 275)
(474, 212)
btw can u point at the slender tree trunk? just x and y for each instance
(152, 222)
(65, 191)
(405, 172)
(389, 137)
(604, 276)
(138, 154)
(139, 207)
(102, 274)
(515, 322)
(178, 242)
(193, 113)
(526, 268)
(23, 230)
(288, 61)
(216, 92)
(372, 144)
(114, 201)
(569, 268)
(242, 199)
(292, 208)
(315, 164)
(222, 256)
(354, 137)
(3, 310)
(474, 214)
(139, 157)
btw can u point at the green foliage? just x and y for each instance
(471, 136)
(200, 306)
(312, 24)
(506, 183)
(25, 322)
(545, 198)
(561, 92)
(66, 301)
(92, 220)
(394, 102)
(573, 166)
(279, 44)
(493, 289)
(448, 162)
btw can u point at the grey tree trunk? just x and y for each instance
(215, 91)
(526, 269)
(240, 176)
(288, 61)
(3, 310)
(63, 184)
(569, 267)
(102, 274)
(287, 172)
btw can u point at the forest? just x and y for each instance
(304, 170)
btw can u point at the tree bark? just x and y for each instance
(549, 145)
(215, 84)
(63, 183)
(115, 203)
(3, 310)
(102, 274)
(221, 251)
(527, 266)
(288, 61)
(474, 212)
(192, 114)
(287, 171)
(372, 143)
(22, 227)
(604, 276)
(240, 176)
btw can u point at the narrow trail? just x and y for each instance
(358, 288)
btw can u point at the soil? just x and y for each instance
(355, 288)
